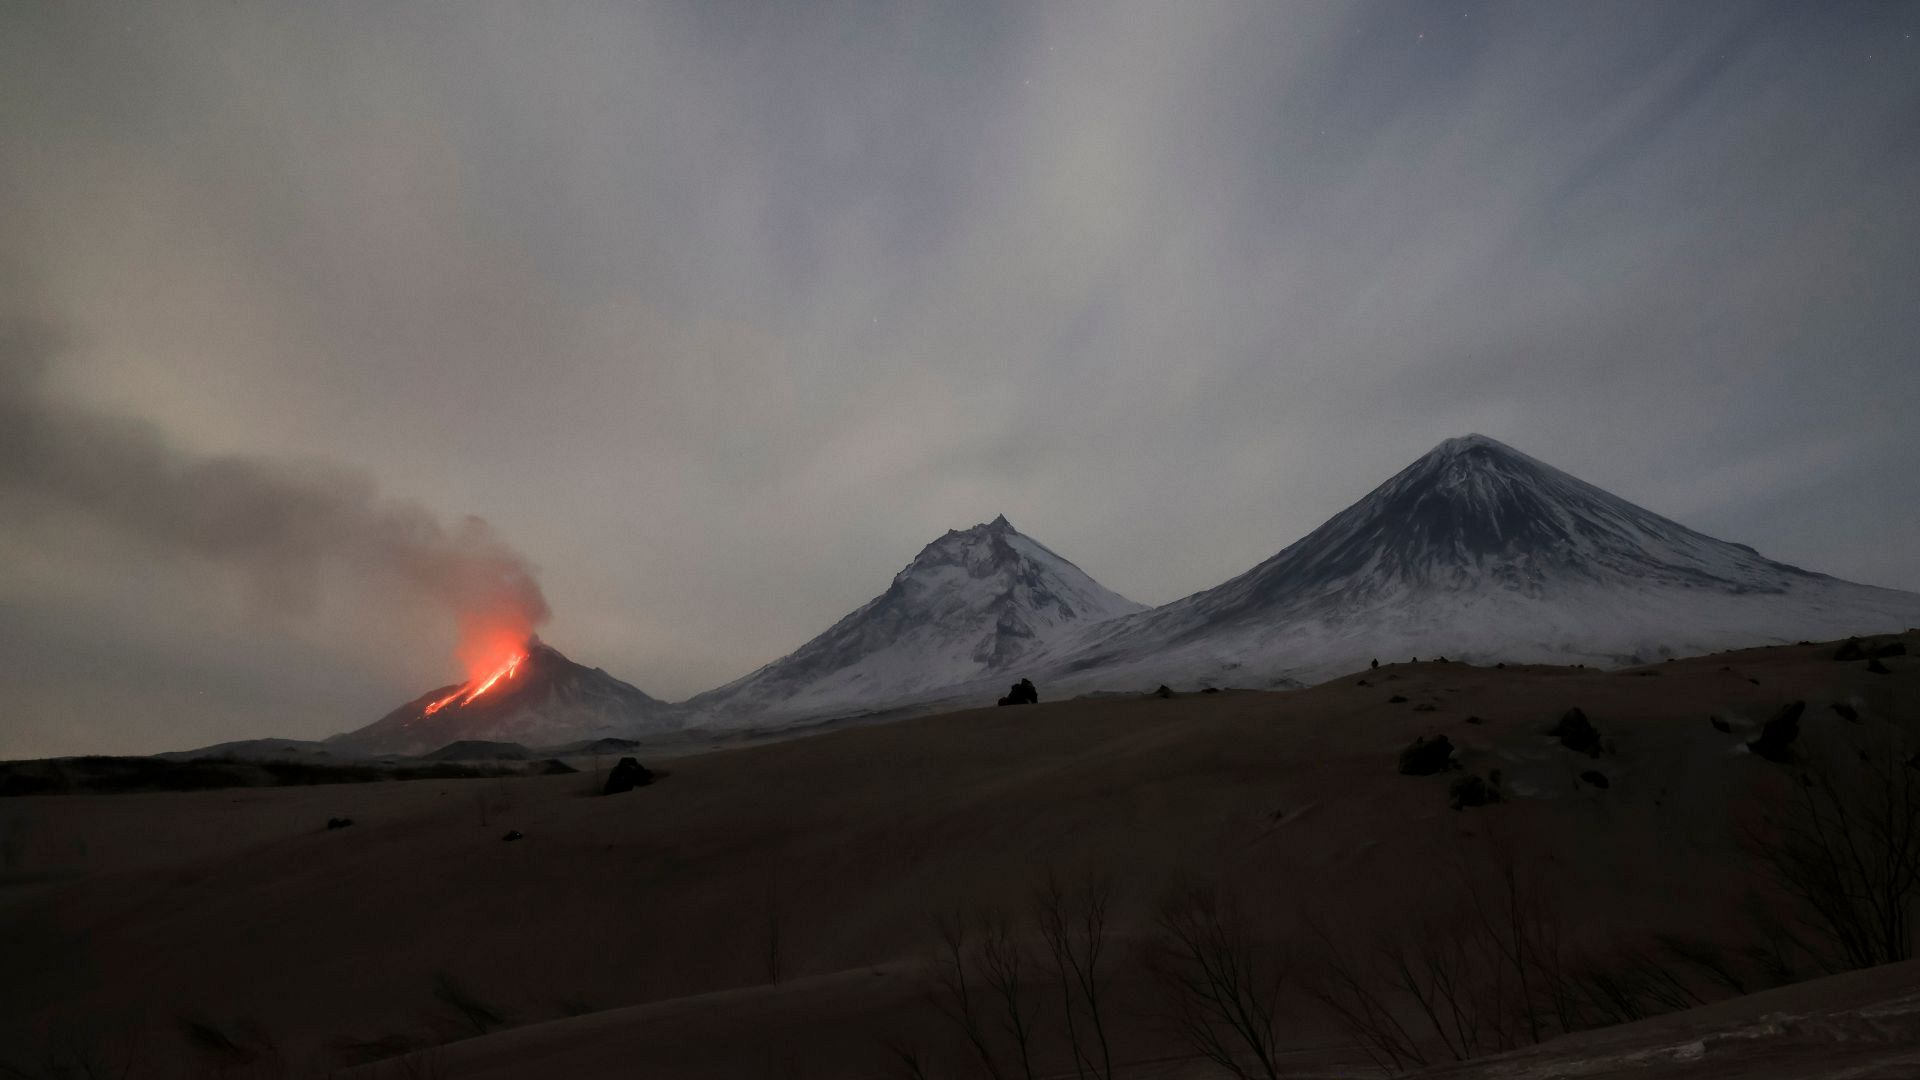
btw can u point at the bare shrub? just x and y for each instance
(1221, 988)
(1847, 846)
(1482, 971)
(964, 1001)
(1074, 928)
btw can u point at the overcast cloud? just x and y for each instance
(717, 312)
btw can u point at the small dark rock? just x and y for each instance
(339, 822)
(1211, 690)
(1164, 692)
(1441, 660)
(1022, 693)
(1577, 733)
(554, 767)
(1719, 724)
(1891, 648)
(1875, 667)
(1471, 790)
(1776, 738)
(1397, 699)
(1376, 663)
(1425, 756)
(1596, 778)
(1424, 707)
(1363, 682)
(1475, 720)
(1754, 681)
(514, 834)
(1849, 651)
(1846, 712)
(626, 776)
(1502, 664)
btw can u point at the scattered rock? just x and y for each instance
(1577, 733)
(1022, 693)
(1164, 692)
(1875, 667)
(339, 822)
(514, 834)
(626, 776)
(1425, 756)
(1846, 712)
(1596, 778)
(1471, 790)
(1852, 650)
(1776, 738)
(1397, 699)
(1719, 724)
(1424, 707)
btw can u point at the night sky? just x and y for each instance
(715, 313)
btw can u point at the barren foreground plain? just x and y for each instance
(777, 910)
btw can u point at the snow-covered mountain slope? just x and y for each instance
(1478, 552)
(966, 611)
(546, 699)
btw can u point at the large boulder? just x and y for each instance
(1776, 738)
(1471, 790)
(1427, 756)
(626, 776)
(1577, 733)
(1022, 693)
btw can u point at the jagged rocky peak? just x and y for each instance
(980, 549)
(972, 603)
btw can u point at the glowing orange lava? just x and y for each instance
(480, 686)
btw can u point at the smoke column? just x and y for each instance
(279, 523)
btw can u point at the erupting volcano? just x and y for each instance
(480, 686)
(524, 691)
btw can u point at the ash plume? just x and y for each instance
(279, 523)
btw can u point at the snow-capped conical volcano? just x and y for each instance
(545, 700)
(1477, 551)
(972, 605)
